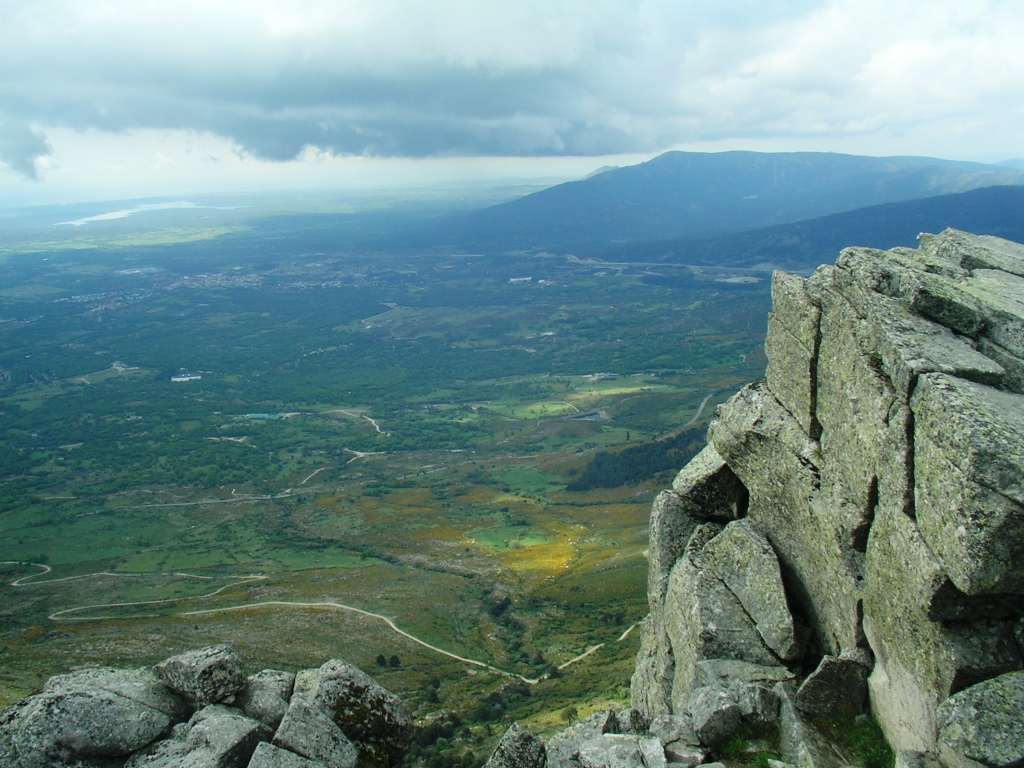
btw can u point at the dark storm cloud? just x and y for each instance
(417, 79)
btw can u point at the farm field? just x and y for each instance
(359, 438)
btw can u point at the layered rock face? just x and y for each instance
(852, 537)
(200, 710)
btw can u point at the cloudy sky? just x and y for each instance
(118, 97)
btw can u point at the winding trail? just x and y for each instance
(201, 502)
(355, 415)
(313, 475)
(700, 410)
(361, 454)
(582, 656)
(47, 569)
(60, 615)
(627, 633)
(341, 606)
(64, 615)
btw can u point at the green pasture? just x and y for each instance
(505, 537)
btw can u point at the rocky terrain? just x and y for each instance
(846, 554)
(851, 541)
(200, 710)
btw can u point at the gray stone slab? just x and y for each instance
(269, 756)
(792, 375)
(856, 400)
(802, 743)
(680, 753)
(266, 696)
(969, 471)
(673, 729)
(709, 489)
(1002, 297)
(215, 737)
(792, 348)
(670, 527)
(140, 685)
(308, 731)
(366, 711)
(1013, 379)
(897, 328)
(227, 733)
(652, 753)
(654, 670)
(742, 558)
(204, 676)
(759, 704)
(928, 287)
(518, 748)
(838, 687)
(563, 748)
(795, 308)
(611, 751)
(704, 620)
(780, 466)
(716, 715)
(722, 672)
(920, 662)
(65, 725)
(304, 680)
(976, 251)
(906, 758)
(985, 723)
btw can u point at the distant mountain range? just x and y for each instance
(802, 245)
(687, 195)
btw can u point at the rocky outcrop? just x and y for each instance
(199, 709)
(518, 748)
(851, 541)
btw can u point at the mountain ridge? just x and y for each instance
(688, 194)
(803, 245)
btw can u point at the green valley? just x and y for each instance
(234, 439)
